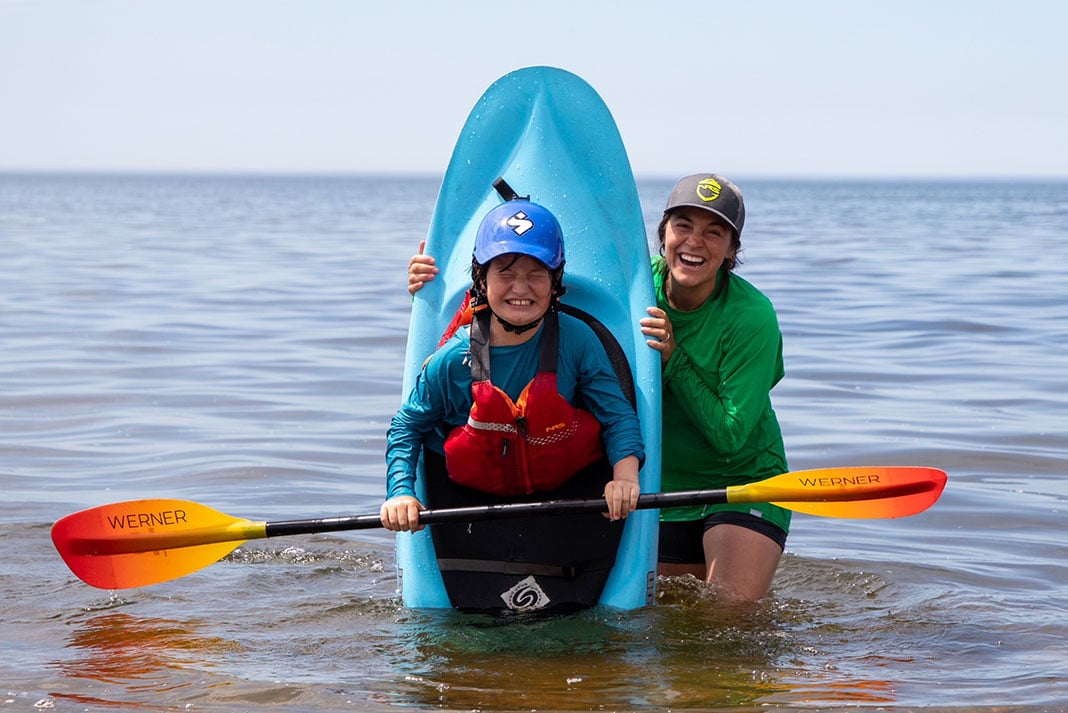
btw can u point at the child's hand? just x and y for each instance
(401, 513)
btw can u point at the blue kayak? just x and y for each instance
(547, 134)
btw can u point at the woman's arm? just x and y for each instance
(726, 407)
(421, 268)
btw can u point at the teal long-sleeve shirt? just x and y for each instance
(441, 397)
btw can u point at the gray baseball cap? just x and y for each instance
(713, 193)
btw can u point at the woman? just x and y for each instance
(513, 429)
(721, 351)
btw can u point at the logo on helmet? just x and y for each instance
(708, 190)
(520, 223)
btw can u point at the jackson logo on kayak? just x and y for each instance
(526, 595)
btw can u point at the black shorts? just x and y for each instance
(681, 542)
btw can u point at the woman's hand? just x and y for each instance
(421, 268)
(401, 514)
(621, 493)
(658, 327)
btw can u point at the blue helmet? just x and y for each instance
(521, 227)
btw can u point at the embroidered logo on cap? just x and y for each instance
(708, 190)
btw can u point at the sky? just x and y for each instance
(748, 88)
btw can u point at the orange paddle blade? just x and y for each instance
(861, 492)
(141, 542)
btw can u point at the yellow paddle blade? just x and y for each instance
(141, 542)
(855, 492)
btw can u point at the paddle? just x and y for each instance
(141, 542)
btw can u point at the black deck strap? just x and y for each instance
(507, 192)
(454, 564)
(480, 331)
(550, 343)
(616, 355)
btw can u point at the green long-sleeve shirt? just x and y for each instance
(719, 428)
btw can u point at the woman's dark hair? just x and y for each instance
(736, 243)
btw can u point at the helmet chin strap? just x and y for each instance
(518, 328)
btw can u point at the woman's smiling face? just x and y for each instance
(696, 242)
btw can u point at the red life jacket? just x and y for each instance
(518, 448)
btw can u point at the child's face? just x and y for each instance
(518, 288)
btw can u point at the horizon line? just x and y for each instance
(429, 175)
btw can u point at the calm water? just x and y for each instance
(239, 342)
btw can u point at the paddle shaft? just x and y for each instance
(501, 511)
(125, 542)
(476, 513)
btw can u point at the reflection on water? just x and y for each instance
(684, 652)
(140, 660)
(116, 647)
